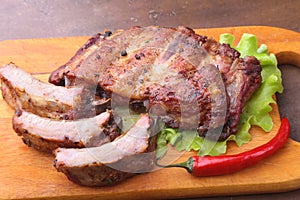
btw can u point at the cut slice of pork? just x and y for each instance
(47, 134)
(24, 92)
(112, 162)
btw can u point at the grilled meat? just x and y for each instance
(167, 71)
(46, 134)
(112, 162)
(24, 92)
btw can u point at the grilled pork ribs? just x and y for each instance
(191, 81)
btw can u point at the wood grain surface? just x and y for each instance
(28, 174)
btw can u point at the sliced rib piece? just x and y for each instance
(112, 162)
(24, 92)
(46, 134)
(161, 68)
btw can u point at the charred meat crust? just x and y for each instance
(57, 77)
(241, 78)
(247, 80)
(44, 145)
(84, 175)
(102, 63)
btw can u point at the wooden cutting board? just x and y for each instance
(27, 174)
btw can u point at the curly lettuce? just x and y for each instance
(255, 112)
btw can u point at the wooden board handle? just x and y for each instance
(278, 40)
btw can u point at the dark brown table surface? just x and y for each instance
(21, 19)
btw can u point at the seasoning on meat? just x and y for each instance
(170, 76)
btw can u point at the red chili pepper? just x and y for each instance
(226, 164)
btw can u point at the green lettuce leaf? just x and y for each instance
(255, 112)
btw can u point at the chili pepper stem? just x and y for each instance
(188, 165)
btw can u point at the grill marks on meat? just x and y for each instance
(112, 162)
(46, 134)
(163, 71)
(241, 78)
(24, 92)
